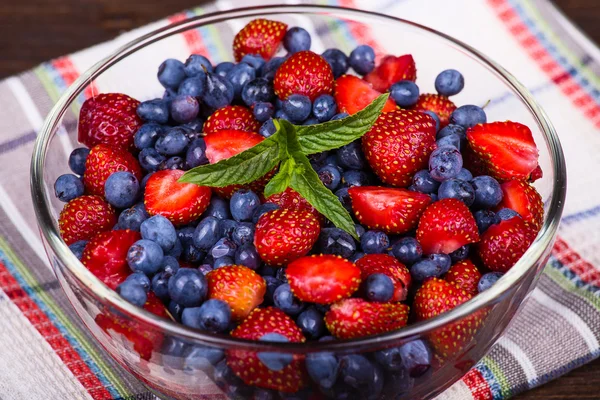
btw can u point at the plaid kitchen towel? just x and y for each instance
(45, 351)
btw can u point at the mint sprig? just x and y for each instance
(288, 147)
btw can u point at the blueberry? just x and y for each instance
(172, 351)
(175, 310)
(217, 208)
(323, 368)
(224, 247)
(242, 205)
(468, 116)
(355, 178)
(443, 261)
(450, 140)
(207, 233)
(133, 293)
(264, 394)
(188, 287)
(255, 61)
(488, 193)
(280, 274)
(356, 370)
(280, 114)
(390, 359)
(424, 183)
(273, 360)
(405, 93)
(341, 115)
(173, 142)
(271, 66)
(133, 217)
(196, 357)
(428, 268)
(145, 256)
(351, 156)
(218, 91)
(184, 108)
(227, 228)
(445, 163)
(121, 189)
(311, 322)
(170, 265)
(272, 284)
(192, 254)
(464, 175)
(359, 229)
(460, 254)
(223, 68)
(362, 59)
(452, 129)
(296, 39)
(174, 162)
(267, 270)
(297, 107)
(485, 219)
(146, 136)
(506, 213)
(139, 278)
(150, 159)
(416, 357)
(193, 87)
(435, 117)
(239, 75)
(247, 256)
(379, 288)
(259, 89)
(457, 189)
(205, 268)
(263, 208)
(337, 60)
(267, 128)
(197, 64)
(243, 233)
(407, 250)
(159, 230)
(344, 198)
(68, 187)
(160, 287)
(77, 160)
(212, 316)
(488, 280)
(324, 107)
(336, 241)
(186, 234)
(262, 111)
(176, 250)
(330, 176)
(223, 262)
(145, 179)
(171, 73)
(193, 129)
(77, 248)
(449, 82)
(196, 154)
(285, 300)
(374, 242)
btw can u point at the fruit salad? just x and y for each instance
(291, 196)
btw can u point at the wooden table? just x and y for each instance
(32, 31)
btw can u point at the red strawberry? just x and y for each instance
(399, 144)
(441, 105)
(507, 148)
(84, 217)
(502, 245)
(536, 174)
(445, 226)
(106, 255)
(352, 94)
(388, 209)
(238, 118)
(283, 235)
(473, 162)
(259, 36)
(465, 275)
(248, 366)
(103, 160)
(385, 264)
(322, 279)
(180, 203)
(352, 318)
(524, 199)
(109, 118)
(392, 69)
(289, 199)
(238, 286)
(304, 73)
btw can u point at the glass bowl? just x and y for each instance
(162, 367)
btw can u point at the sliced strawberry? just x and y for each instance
(445, 226)
(392, 69)
(441, 105)
(180, 203)
(399, 144)
(239, 286)
(248, 365)
(473, 162)
(352, 318)
(507, 148)
(84, 217)
(385, 264)
(284, 235)
(289, 199)
(389, 209)
(103, 160)
(352, 94)
(524, 199)
(260, 36)
(237, 118)
(536, 174)
(322, 279)
(304, 73)
(465, 275)
(503, 244)
(109, 118)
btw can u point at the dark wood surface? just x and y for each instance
(32, 31)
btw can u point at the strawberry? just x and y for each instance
(237, 118)
(388, 209)
(283, 235)
(445, 226)
(144, 340)
(103, 160)
(238, 286)
(390, 70)
(304, 73)
(507, 148)
(352, 94)
(536, 174)
(180, 203)
(109, 118)
(387, 265)
(259, 36)
(289, 199)
(473, 162)
(352, 318)
(503, 244)
(322, 279)
(441, 105)
(247, 364)
(106, 255)
(399, 144)
(465, 275)
(524, 199)
(84, 217)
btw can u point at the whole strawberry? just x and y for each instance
(398, 145)
(524, 199)
(109, 118)
(103, 160)
(441, 105)
(289, 199)
(237, 118)
(390, 70)
(465, 275)
(84, 217)
(282, 236)
(260, 36)
(304, 73)
(385, 264)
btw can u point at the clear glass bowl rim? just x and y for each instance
(109, 297)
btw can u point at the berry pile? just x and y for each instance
(440, 198)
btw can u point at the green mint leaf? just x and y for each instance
(287, 139)
(307, 183)
(335, 134)
(281, 181)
